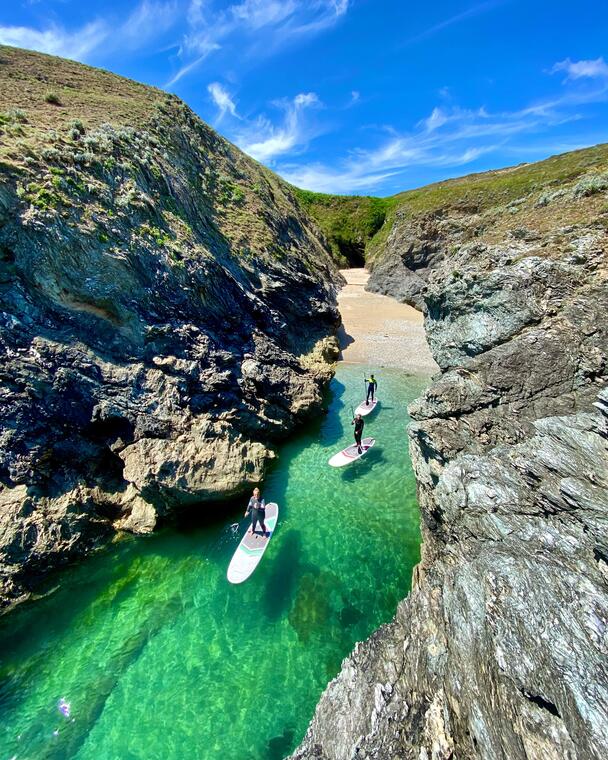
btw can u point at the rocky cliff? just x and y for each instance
(164, 311)
(500, 650)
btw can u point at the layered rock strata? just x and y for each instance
(500, 650)
(165, 307)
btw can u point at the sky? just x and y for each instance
(354, 96)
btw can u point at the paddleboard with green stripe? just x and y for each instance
(252, 547)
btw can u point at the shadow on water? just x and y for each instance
(325, 610)
(319, 594)
(371, 461)
(282, 582)
(203, 516)
(280, 746)
(71, 734)
(350, 616)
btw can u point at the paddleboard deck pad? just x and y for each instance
(364, 409)
(351, 453)
(252, 547)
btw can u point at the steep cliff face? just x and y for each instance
(500, 650)
(165, 307)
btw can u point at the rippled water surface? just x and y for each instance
(159, 657)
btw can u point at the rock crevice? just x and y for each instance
(167, 313)
(500, 650)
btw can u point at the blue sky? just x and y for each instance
(355, 96)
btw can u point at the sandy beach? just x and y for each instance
(379, 331)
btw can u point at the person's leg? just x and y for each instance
(367, 397)
(263, 524)
(358, 441)
(254, 519)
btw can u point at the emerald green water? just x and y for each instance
(159, 657)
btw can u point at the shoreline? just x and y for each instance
(377, 330)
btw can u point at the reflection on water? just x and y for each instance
(158, 656)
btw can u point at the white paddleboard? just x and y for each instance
(364, 409)
(350, 453)
(249, 552)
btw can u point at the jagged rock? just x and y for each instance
(403, 269)
(165, 307)
(208, 461)
(500, 650)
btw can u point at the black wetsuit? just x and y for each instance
(257, 507)
(371, 389)
(359, 424)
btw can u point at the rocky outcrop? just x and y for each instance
(500, 650)
(165, 307)
(402, 271)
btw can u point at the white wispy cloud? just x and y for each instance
(453, 137)
(257, 14)
(148, 20)
(474, 10)
(265, 141)
(437, 119)
(222, 99)
(56, 40)
(366, 173)
(258, 27)
(592, 69)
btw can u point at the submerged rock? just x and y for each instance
(500, 650)
(166, 313)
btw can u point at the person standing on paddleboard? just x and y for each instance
(257, 507)
(371, 388)
(359, 424)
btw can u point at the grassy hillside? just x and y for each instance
(54, 113)
(68, 132)
(362, 223)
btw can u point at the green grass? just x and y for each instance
(160, 237)
(349, 222)
(53, 99)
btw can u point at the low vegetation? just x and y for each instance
(52, 98)
(348, 222)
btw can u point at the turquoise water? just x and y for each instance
(159, 657)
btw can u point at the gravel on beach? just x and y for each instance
(379, 331)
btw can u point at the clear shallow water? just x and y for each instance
(159, 657)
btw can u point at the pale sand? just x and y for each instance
(379, 331)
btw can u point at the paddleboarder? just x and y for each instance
(359, 425)
(257, 508)
(371, 389)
